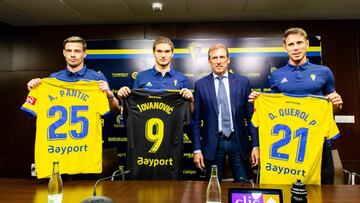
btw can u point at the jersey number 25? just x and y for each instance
(63, 119)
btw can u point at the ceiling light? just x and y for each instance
(157, 6)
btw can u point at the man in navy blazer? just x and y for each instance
(211, 144)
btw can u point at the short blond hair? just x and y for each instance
(75, 39)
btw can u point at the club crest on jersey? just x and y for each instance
(272, 69)
(175, 82)
(148, 84)
(313, 77)
(31, 100)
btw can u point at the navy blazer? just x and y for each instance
(205, 138)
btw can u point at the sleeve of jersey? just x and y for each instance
(187, 83)
(187, 115)
(255, 117)
(329, 82)
(103, 104)
(102, 77)
(137, 81)
(31, 104)
(273, 84)
(334, 132)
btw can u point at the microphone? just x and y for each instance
(103, 199)
(249, 181)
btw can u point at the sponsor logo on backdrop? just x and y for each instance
(119, 122)
(189, 172)
(122, 154)
(203, 74)
(134, 74)
(189, 155)
(120, 75)
(252, 75)
(186, 139)
(117, 139)
(195, 50)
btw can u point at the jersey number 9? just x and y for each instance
(154, 132)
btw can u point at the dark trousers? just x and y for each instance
(327, 166)
(229, 146)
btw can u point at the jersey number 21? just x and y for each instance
(300, 134)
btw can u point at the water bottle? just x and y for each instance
(55, 185)
(213, 192)
(298, 192)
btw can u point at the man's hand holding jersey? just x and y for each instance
(333, 97)
(253, 95)
(123, 92)
(336, 100)
(33, 83)
(113, 102)
(187, 94)
(103, 85)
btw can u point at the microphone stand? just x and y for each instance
(103, 199)
(249, 181)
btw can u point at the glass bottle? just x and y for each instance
(55, 185)
(213, 192)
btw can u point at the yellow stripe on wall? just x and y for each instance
(203, 50)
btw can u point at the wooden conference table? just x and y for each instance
(30, 190)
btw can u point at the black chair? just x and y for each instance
(343, 176)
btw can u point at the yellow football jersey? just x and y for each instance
(292, 131)
(68, 125)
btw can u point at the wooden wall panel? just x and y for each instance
(40, 48)
(17, 129)
(5, 47)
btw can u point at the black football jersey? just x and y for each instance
(154, 124)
